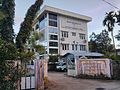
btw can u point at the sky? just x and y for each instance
(96, 9)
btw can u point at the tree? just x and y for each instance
(6, 28)
(32, 42)
(109, 22)
(26, 25)
(9, 73)
(1, 15)
(104, 42)
(92, 43)
(117, 15)
(100, 42)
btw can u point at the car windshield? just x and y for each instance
(60, 64)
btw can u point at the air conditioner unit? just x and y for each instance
(62, 39)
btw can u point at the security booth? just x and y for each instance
(87, 63)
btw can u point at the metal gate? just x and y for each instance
(34, 77)
(27, 82)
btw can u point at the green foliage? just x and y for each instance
(8, 79)
(112, 18)
(109, 21)
(26, 25)
(116, 70)
(40, 49)
(25, 56)
(8, 51)
(92, 43)
(100, 42)
(6, 26)
(1, 15)
(9, 73)
(99, 76)
(34, 37)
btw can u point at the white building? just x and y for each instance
(63, 31)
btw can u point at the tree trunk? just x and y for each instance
(113, 42)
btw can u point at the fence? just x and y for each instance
(116, 69)
(91, 67)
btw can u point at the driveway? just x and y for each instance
(62, 82)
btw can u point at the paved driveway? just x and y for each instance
(63, 82)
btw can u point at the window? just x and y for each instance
(73, 34)
(75, 47)
(53, 44)
(53, 51)
(65, 46)
(72, 46)
(82, 36)
(64, 33)
(53, 30)
(37, 26)
(52, 23)
(52, 16)
(53, 37)
(52, 20)
(42, 22)
(82, 48)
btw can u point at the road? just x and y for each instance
(62, 82)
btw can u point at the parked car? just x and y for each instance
(61, 66)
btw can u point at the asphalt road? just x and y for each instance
(62, 82)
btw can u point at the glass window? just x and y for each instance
(82, 48)
(52, 16)
(53, 44)
(72, 46)
(76, 47)
(82, 36)
(52, 20)
(53, 51)
(64, 34)
(53, 37)
(53, 30)
(65, 46)
(52, 23)
(42, 22)
(73, 34)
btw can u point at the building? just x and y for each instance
(62, 31)
(118, 51)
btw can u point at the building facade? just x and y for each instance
(62, 31)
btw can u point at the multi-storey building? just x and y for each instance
(62, 31)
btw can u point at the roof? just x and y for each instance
(118, 50)
(63, 12)
(92, 54)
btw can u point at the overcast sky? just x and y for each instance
(92, 8)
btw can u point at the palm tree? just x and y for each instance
(109, 22)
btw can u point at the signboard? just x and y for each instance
(93, 66)
(69, 23)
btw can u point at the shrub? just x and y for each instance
(100, 76)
